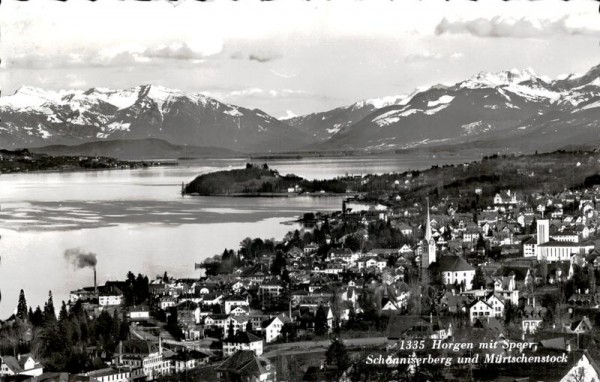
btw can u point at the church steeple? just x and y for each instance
(428, 224)
(429, 245)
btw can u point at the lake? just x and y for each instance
(137, 220)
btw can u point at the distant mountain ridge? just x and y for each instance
(322, 126)
(148, 148)
(513, 109)
(36, 117)
(509, 110)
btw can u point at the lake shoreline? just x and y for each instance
(278, 195)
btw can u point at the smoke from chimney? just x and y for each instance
(81, 259)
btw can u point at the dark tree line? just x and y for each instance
(136, 289)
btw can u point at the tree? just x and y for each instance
(532, 227)
(63, 314)
(49, 312)
(124, 331)
(508, 312)
(278, 264)
(479, 279)
(230, 331)
(22, 306)
(285, 276)
(140, 289)
(321, 326)
(480, 242)
(37, 317)
(352, 242)
(338, 355)
(173, 325)
(104, 328)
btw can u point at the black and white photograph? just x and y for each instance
(300, 191)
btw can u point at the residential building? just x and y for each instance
(23, 364)
(242, 341)
(246, 366)
(272, 329)
(144, 354)
(233, 301)
(456, 270)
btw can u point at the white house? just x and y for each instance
(114, 375)
(233, 301)
(272, 329)
(239, 323)
(217, 321)
(110, 296)
(497, 305)
(270, 290)
(456, 270)
(506, 289)
(166, 302)
(240, 311)
(406, 249)
(20, 365)
(242, 341)
(480, 309)
(139, 313)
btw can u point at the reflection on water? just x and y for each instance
(189, 210)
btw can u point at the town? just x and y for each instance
(403, 271)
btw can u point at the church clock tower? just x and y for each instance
(429, 245)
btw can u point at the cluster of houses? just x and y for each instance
(233, 321)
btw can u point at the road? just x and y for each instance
(289, 348)
(317, 346)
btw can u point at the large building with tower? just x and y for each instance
(543, 247)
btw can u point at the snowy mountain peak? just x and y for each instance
(503, 78)
(29, 97)
(34, 116)
(378, 103)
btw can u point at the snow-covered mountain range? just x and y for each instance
(35, 117)
(324, 125)
(513, 109)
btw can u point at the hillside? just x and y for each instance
(149, 148)
(14, 161)
(545, 172)
(260, 180)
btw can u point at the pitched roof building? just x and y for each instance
(245, 366)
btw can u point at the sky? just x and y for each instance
(289, 57)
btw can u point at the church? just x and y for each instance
(428, 250)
